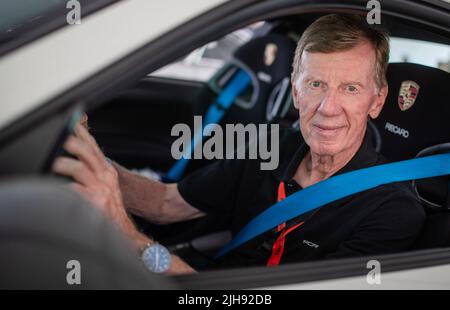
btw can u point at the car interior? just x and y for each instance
(134, 128)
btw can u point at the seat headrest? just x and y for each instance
(268, 62)
(269, 57)
(415, 115)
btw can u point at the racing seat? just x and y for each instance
(254, 87)
(268, 62)
(414, 123)
(417, 123)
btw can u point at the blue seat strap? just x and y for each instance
(338, 187)
(217, 109)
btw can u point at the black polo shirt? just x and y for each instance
(381, 220)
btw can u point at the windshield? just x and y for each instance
(15, 14)
(22, 21)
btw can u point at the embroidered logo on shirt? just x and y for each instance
(270, 54)
(310, 244)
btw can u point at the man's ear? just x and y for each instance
(294, 95)
(378, 103)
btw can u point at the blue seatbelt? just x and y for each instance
(237, 85)
(338, 187)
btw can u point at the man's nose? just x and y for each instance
(329, 105)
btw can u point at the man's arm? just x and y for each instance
(156, 202)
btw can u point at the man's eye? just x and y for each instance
(351, 89)
(315, 84)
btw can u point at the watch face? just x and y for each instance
(156, 258)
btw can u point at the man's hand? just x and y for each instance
(96, 179)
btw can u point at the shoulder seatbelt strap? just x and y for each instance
(338, 187)
(217, 109)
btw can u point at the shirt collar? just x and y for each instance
(295, 149)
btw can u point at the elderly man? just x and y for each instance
(338, 82)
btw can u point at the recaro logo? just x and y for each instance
(397, 130)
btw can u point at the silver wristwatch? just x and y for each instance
(156, 258)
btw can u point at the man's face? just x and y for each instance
(335, 93)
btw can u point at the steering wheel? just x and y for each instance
(72, 118)
(220, 79)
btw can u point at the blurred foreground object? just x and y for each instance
(44, 226)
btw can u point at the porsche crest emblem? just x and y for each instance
(407, 94)
(270, 54)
